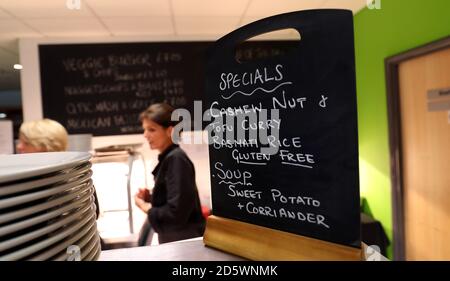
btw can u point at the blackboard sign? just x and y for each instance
(102, 88)
(284, 142)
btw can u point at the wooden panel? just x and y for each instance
(426, 158)
(260, 243)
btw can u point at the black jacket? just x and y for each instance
(176, 212)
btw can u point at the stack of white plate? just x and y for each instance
(47, 209)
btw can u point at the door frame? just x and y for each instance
(395, 139)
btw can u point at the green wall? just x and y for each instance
(399, 25)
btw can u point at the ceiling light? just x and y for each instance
(2, 115)
(18, 66)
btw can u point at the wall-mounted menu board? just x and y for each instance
(298, 172)
(102, 88)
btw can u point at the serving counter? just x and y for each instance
(185, 250)
(190, 250)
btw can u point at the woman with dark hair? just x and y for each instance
(173, 209)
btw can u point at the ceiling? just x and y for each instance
(144, 18)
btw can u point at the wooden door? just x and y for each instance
(425, 144)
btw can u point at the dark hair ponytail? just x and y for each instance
(160, 113)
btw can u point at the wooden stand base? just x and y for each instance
(260, 243)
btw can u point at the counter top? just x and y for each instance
(191, 250)
(185, 250)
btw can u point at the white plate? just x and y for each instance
(53, 190)
(80, 243)
(69, 207)
(97, 253)
(93, 252)
(17, 214)
(59, 230)
(39, 246)
(65, 175)
(90, 247)
(21, 166)
(61, 248)
(50, 228)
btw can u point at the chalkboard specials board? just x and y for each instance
(102, 88)
(306, 182)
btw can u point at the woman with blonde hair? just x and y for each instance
(44, 135)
